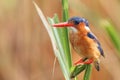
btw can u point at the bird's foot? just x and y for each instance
(83, 61)
(79, 62)
(89, 61)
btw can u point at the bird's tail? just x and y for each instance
(96, 64)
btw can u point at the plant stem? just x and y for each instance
(88, 72)
(66, 40)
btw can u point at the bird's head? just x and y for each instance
(73, 22)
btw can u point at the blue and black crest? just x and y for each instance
(77, 20)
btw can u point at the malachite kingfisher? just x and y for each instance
(83, 41)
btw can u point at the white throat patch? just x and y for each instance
(87, 28)
(73, 29)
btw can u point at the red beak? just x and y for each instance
(64, 24)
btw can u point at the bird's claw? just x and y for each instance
(82, 61)
(79, 62)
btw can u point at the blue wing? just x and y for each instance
(91, 35)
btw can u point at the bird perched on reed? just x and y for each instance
(83, 41)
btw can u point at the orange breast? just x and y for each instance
(83, 45)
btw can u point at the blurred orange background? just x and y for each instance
(25, 48)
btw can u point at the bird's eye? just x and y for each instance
(76, 22)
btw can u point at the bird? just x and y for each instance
(83, 41)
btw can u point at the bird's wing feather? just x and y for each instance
(92, 36)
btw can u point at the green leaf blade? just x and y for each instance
(65, 32)
(88, 72)
(77, 70)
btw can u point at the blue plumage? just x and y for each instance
(78, 20)
(90, 35)
(101, 50)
